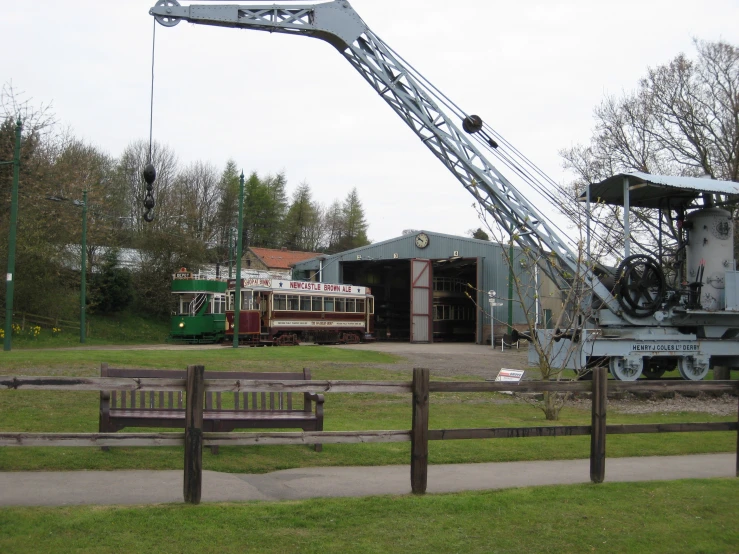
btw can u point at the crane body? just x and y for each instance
(635, 325)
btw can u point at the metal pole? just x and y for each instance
(510, 289)
(83, 267)
(11, 240)
(230, 252)
(239, 246)
(627, 229)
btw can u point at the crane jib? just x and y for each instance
(402, 88)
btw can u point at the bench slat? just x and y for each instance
(213, 414)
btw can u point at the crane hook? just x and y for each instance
(150, 175)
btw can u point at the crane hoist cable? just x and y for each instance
(149, 173)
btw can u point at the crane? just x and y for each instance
(635, 323)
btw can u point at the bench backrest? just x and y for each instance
(240, 401)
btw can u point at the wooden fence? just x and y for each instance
(43, 320)
(419, 436)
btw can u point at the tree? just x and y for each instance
(195, 193)
(265, 205)
(478, 234)
(527, 266)
(334, 227)
(227, 212)
(111, 286)
(683, 119)
(43, 228)
(353, 225)
(303, 223)
(130, 188)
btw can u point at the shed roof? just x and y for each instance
(656, 191)
(281, 259)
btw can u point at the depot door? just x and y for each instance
(421, 301)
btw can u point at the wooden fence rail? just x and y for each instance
(194, 439)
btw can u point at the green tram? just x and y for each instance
(200, 313)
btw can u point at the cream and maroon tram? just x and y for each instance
(278, 311)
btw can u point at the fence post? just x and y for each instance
(194, 434)
(420, 431)
(598, 423)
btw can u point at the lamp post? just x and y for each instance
(9, 283)
(83, 268)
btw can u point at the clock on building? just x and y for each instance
(422, 240)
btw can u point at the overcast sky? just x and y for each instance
(533, 69)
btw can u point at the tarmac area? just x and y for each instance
(156, 487)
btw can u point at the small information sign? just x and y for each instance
(510, 375)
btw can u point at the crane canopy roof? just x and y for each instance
(656, 191)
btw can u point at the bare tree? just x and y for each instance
(528, 267)
(683, 119)
(195, 200)
(131, 186)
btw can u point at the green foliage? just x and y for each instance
(161, 251)
(111, 286)
(479, 234)
(265, 205)
(303, 226)
(349, 226)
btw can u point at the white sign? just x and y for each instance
(510, 375)
(314, 323)
(310, 286)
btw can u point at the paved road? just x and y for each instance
(154, 487)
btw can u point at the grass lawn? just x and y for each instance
(122, 328)
(679, 516)
(52, 411)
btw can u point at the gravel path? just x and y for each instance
(454, 359)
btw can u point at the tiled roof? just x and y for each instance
(282, 259)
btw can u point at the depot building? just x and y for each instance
(431, 287)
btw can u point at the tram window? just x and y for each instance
(317, 303)
(305, 303)
(280, 302)
(340, 304)
(246, 300)
(293, 302)
(328, 304)
(351, 305)
(360, 305)
(371, 305)
(218, 304)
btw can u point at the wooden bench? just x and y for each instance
(252, 410)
